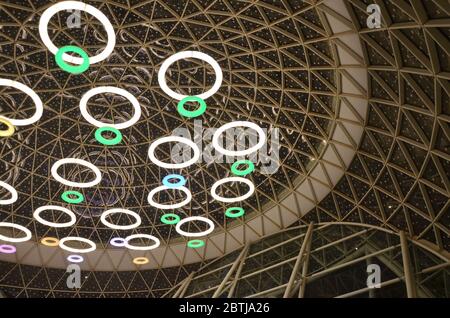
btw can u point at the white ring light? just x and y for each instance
(36, 100)
(38, 211)
(169, 206)
(232, 179)
(16, 226)
(232, 153)
(56, 165)
(141, 248)
(113, 90)
(120, 227)
(194, 218)
(189, 54)
(77, 250)
(13, 191)
(77, 5)
(151, 152)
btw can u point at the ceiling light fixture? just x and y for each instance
(41, 209)
(195, 218)
(189, 54)
(77, 5)
(56, 165)
(36, 100)
(151, 152)
(113, 90)
(232, 179)
(120, 227)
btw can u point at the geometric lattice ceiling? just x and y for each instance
(282, 65)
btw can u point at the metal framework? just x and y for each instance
(363, 116)
(324, 260)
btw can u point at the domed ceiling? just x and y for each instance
(357, 123)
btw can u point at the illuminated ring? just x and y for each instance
(70, 68)
(50, 241)
(169, 206)
(141, 248)
(140, 260)
(189, 54)
(7, 249)
(194, 113)
(36, 100)
(108, 142)
(16, 226)
(194, 218)
(237, 153)
(79, 197)
(77, 5)
(229, 212)
(38, 218)
(120, 227)
(181, 181)
(114, 90)
(13, 191)
(8, 132)
(75, 258)
(170, 218)
(195, 243)
(232, 179)
(151, 152)
(236, 171)
(118, 242)
(63, 241)
(56, 165)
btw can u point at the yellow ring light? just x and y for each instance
(50, 241)
(140, 260)
(8, 132)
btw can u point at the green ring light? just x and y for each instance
(74, 69)
(250, 167)
(108, 142)
(66, 197)
(188, 113)
(170, 218)
(231, 214)
(195, 243)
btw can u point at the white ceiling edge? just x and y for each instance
(314, 188)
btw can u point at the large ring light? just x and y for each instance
(189, 54)
(169, 206)
(141, 248)
(238, 153)
(77, 5)
(36, 100)
(194, 218)
(41, 209)
(120, 227)
(56, 165)
(13, 191)
(114, 90)
(232, 179)
(27, 232)
(62, 244)
(151, 152)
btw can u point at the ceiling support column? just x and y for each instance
(233, 268)
(298, 261)
(407, 268)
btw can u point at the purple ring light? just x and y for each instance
(75, 258)
(7, 249)
(118, 241)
